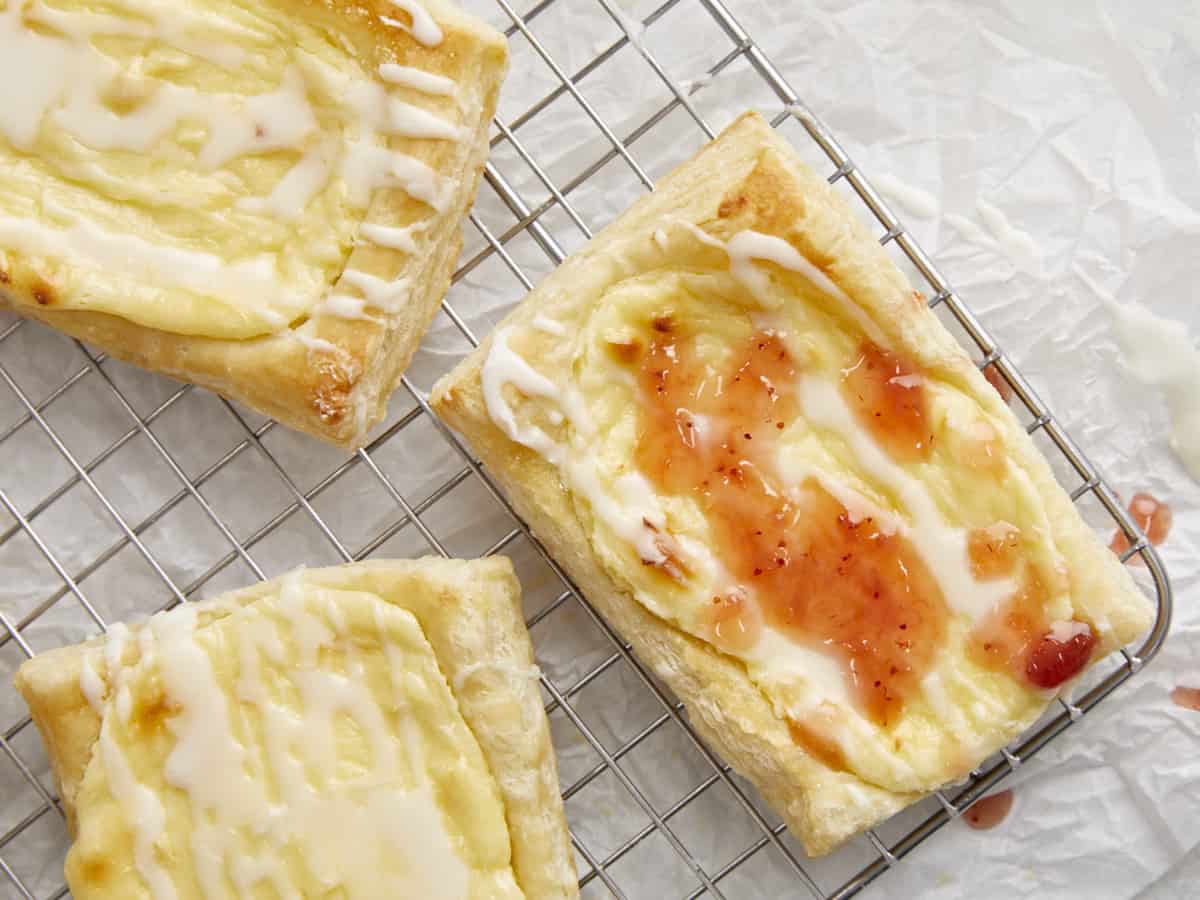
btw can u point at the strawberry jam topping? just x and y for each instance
(1050, 661)
(887, 395)
(801, 562)
(1186, 697)
(1018, 637)
(1154, 518)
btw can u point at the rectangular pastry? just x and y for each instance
(756, 450)
(263, 199)
(369, 730)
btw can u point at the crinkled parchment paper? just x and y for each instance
(1046, 154)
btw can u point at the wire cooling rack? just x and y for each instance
(122, 493)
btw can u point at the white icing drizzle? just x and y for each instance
(392, 237)
(203, 273)
(943, 548)
(142, 809)
(64, 78)
(549, 326)
(343, 306)
(91, 685)
(418, 80)
(40, 65)
(114, 646)
(114, 650)
(346, 826)
(296, 189)
(636, 517)
(318, 345)
(53, 69)
(281, 119)
(423, 27)
(746, 246)
(1063, 631)
(367, 166)
(823, 675)
(168, 27)
(377, 292)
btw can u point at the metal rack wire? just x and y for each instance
(124, 486)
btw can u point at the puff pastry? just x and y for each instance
(263, 199)
(754, 447)
(369, 730)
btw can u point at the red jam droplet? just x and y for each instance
(1186, 697)
(988, 812)
(1154, 518)
(887, 395)
(801, 561)
(1051, 662)
(1017, 637)
(996, 380)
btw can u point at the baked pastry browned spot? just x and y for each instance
(264, 200)
(760, 455)
(370, 730)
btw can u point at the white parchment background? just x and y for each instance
(1023, 143)
(1080, 122)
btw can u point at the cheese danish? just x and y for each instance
(364, 731)
(754, 447)
(261, 197)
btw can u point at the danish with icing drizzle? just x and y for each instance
(263, 199)
(370, 730)
(757, 451)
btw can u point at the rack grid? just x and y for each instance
(85, 528)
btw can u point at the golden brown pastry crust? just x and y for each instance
(750, 178)
(469, 612)
(335, 396)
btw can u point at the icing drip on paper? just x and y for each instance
(1161, 354)
(914, 201)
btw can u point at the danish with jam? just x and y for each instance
(737, 427)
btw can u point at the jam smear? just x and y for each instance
(799, 558)
(988, 812)
(1017, 637)
(818, 746)
(1154, 518)
(994, 551)
(996, 380)
(736, 622)
(1186, 697)
(979, 447)
(887, 395)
